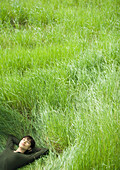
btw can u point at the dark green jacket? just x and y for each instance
(10, 160)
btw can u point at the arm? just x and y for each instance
(38, 154)
(36, 149)
(11, 141)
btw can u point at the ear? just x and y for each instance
(29, 149)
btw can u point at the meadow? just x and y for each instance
(60, 80)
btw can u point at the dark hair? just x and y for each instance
(31, 140)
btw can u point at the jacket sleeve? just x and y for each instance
(36, 149)
(38, 154)
(12, 140)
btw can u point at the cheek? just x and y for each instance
(28, 145)
(20, 144)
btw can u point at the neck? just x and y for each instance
(20, 150)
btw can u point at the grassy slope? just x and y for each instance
(59, 67)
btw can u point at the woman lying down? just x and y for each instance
(11, 159)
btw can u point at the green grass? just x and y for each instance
(60, 80)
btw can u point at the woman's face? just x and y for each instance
(25, 144)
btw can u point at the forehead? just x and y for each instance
(27, 138)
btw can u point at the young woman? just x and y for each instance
(26, 153)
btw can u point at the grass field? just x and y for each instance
(60, 80)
